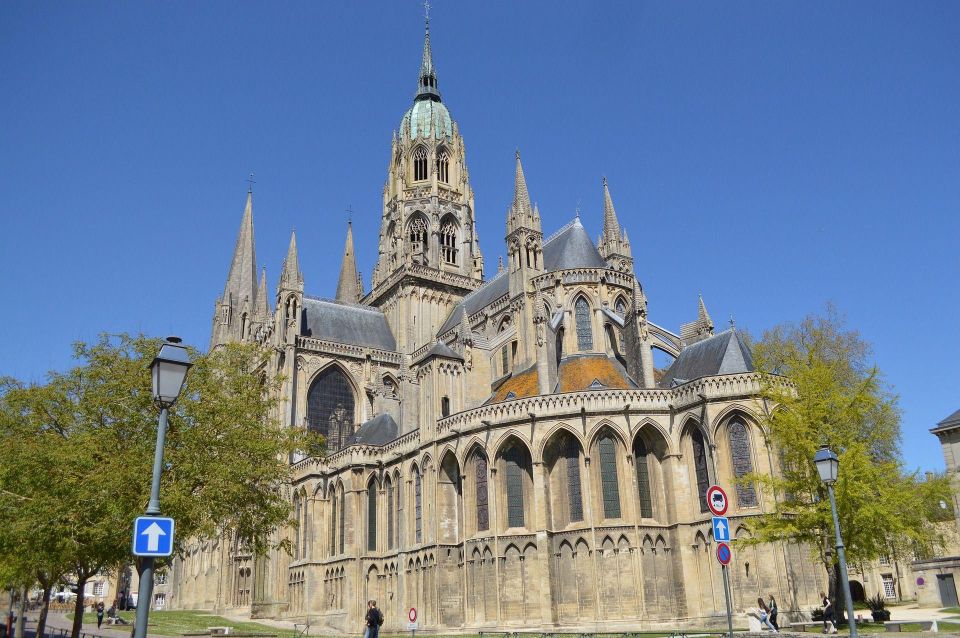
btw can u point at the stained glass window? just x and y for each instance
(330, 407)
(575, 498)
(621, 308)
(641, 458)
(418, 504)
(700, 466)
(584, 331)
(609, 485)
(483, 513)
(372, 516)
(742, 462)
(515, 466)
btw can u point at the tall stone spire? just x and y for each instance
(348, 287)
(242, 280)
(521, 214)
(611, 227)
(235, 310)
(263, 306)
(291, 278)
(614, 245)
(427, 86)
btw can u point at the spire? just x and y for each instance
(427, 87)
(242, 280)
(702, 314)
(521, 196)
(291, 277)
(611, 227)
(263, 306)
(499, 264)
(466, 335)
(347, 289)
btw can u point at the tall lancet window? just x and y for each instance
(584, 330)
(443, 166)
(742, 462)
(418, 505)
(483, 514)
(700, 466)
(420, 164)
(448, 241)
(621, 308)
(372, 516)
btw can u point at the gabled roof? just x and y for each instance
(379, 430)
(570, 247)
(440, 349)
(592, 372)
(346, 323)
(724, 353)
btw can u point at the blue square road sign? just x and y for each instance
(721, 529)
(152, 536)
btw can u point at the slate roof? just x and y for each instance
(950, 423)
(724, 353)
(570, 247)
(346, 323)
(379, 430)
(440, 349)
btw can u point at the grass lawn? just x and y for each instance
(175, 623)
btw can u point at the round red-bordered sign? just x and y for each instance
(412, 614)
(717, 500)
(724, 554)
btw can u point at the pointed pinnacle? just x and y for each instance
(242, 279)
(347, 286)
(291, 265)
(702, 313)
(611, 227)
(521, 196)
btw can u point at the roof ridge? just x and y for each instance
(357, 306)
(570, 224)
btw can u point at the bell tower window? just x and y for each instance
(418, 235)
(420, 164)
(448, 242)
(443, 166)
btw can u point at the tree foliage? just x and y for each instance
(78, 456)
(823, 390)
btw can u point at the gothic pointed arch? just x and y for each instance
(372, 499)
(741, 458)
(695, 442)
(443, 165)
(332, 406)
(583, 320)
(449, 496)
(420, 156)
(608, 450)
(449, 240)
(515, 464)
(478, 473)
(564, 459)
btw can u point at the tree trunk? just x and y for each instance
(21, 618)
(44, 609)
(78, 607)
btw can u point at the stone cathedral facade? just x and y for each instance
(502, 452)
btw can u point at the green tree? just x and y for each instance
(79, 453)
(823, 390)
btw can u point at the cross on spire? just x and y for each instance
(250, 183)
(349, 210)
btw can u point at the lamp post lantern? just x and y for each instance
(169, 370)
(828, 467)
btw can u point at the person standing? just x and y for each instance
(99, 614)
(829, 617)
(374, 619)
(764, 614)
(772, 605)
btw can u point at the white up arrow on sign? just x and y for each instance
(153, 534)
(721, 529)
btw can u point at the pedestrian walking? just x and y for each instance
(374, 619)
(829, 616)
(764, 613)
(99, 614)
(772, 605)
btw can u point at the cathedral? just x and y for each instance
(500, 452)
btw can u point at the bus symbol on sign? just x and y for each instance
(717, 500)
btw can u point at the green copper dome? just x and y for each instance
(427, 119)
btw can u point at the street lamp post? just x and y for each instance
(827, 466)
(169, 369)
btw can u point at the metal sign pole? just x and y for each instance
(726, 594)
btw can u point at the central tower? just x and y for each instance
(429, 255)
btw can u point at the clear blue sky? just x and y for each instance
(773, 156)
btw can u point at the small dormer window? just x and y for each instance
(420, 164)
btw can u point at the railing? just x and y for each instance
(584, 275)
(600, 401)
(346, 350)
